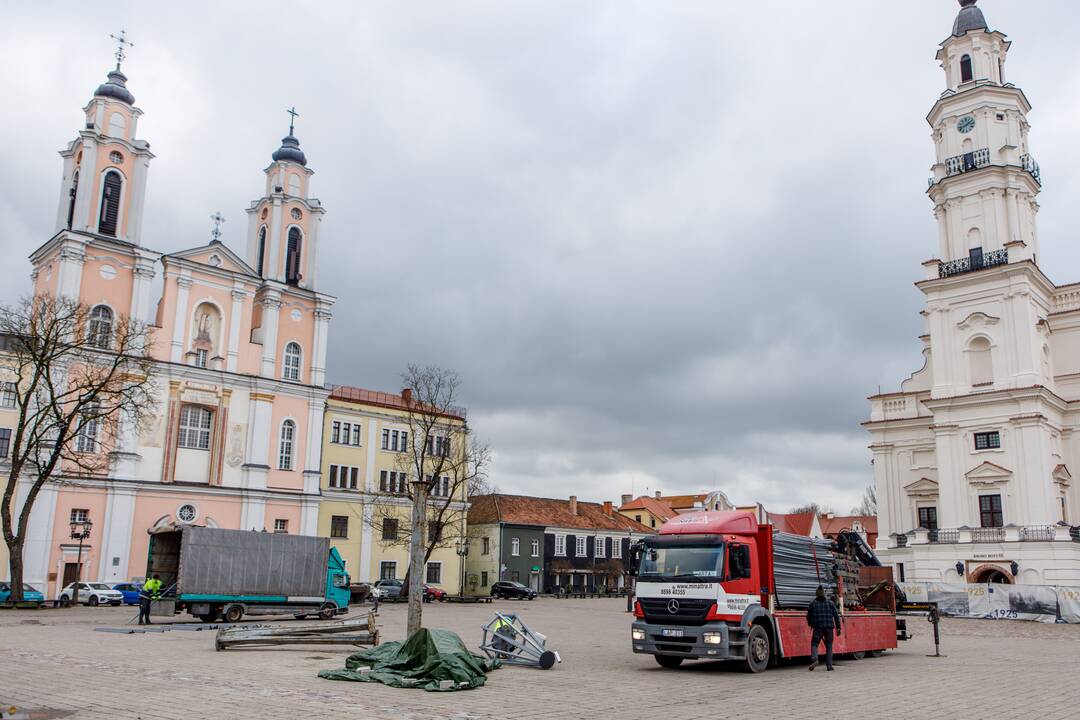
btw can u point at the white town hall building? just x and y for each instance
(973, 458)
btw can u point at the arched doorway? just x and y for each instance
(992, 574)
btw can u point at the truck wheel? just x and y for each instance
(208, 618)
(757, 650)
(858, 655)
(667, 661)
(876, 653)
(327, 611)
(233, 613)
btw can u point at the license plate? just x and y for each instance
(671, 632)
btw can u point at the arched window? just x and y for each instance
(71, 202)
(965, 69)
(291, 370)
(262, 249)
(292, 256)
(980, 362)
(110, 203)
(285, 448)
(99, 333)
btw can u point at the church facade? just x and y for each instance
(239, 342)
(973, 458)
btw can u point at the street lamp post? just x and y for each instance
(462, 549)
(80, 530)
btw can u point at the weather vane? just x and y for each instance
(292, 120)
(121, 41)
(215, 234)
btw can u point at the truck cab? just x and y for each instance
(700, 589)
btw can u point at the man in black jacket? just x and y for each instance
(822, 617)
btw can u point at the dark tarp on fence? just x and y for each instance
(433, 660)
(800, 564)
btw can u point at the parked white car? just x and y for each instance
(92, 594)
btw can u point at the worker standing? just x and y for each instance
(822, 618)
(150, 591)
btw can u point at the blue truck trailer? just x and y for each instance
(213, 573)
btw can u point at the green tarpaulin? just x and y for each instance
(434, 660)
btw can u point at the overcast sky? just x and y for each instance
(668, 245)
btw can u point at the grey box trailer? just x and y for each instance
(213, 571)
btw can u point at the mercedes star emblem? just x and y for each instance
(673, 606)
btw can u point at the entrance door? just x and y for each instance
(71, 574)
(534, 581)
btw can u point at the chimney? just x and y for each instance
(657, 494)
(626, 499)
(607, 508)
(406, 395)
(573, 504)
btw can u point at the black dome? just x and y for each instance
(116, 88)
(970, 18)
(290, 150)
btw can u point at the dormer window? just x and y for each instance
(966, 73)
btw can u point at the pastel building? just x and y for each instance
(239, 339)
(364, 508)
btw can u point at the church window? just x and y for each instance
(292, 256)
(987, 440)
(928, 518)
(110, 203)
(71, 202)
(194, 428)
(965, 69)
(296, 214)
(115, 158)
(200, 358)
(99, 333)
(285, 448)
(980, 362)
(990, 514)
(86, 439)
(291, 369)
(262, 250)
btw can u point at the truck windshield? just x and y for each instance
(704, 563)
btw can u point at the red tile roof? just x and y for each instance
(682, 502)
(831, 526)
(658, 508)
(547, 512)
(798, 524)
(385, 399)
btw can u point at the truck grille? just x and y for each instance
(689, 612)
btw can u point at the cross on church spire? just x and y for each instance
(292, 119)
(121, 41)
(215, 234)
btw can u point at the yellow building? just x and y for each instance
(367, 441)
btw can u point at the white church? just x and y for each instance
(973, 458)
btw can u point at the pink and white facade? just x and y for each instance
(240, 343)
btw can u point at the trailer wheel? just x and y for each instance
(876, 653)
(326, 612)
(667, 661)
(233, 613)
(858, 655)
(758, 650)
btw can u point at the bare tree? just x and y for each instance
(810, 507)
(81, 381)
(868, 504)
(443, 463)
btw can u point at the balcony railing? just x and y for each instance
(973, 263)
(943, 536)
(1029, 164)
(967, 162)
(988, 534)
(1036, 533)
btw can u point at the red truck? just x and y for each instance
(721, 586)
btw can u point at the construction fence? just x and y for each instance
(1040, 603)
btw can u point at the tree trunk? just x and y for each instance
(416, 559)
(15, 553)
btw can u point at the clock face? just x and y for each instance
(966, 124)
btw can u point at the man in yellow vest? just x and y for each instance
(150, 591)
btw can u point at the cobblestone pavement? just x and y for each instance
(53, 661)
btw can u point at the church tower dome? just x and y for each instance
(116, 87)
(289, 151)
(970, 18)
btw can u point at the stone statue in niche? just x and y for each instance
(235, 454)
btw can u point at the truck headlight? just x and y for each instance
(637, 634)
(712, 638)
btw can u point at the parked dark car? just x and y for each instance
(130, 591)
(390, 590)
(509, 589)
